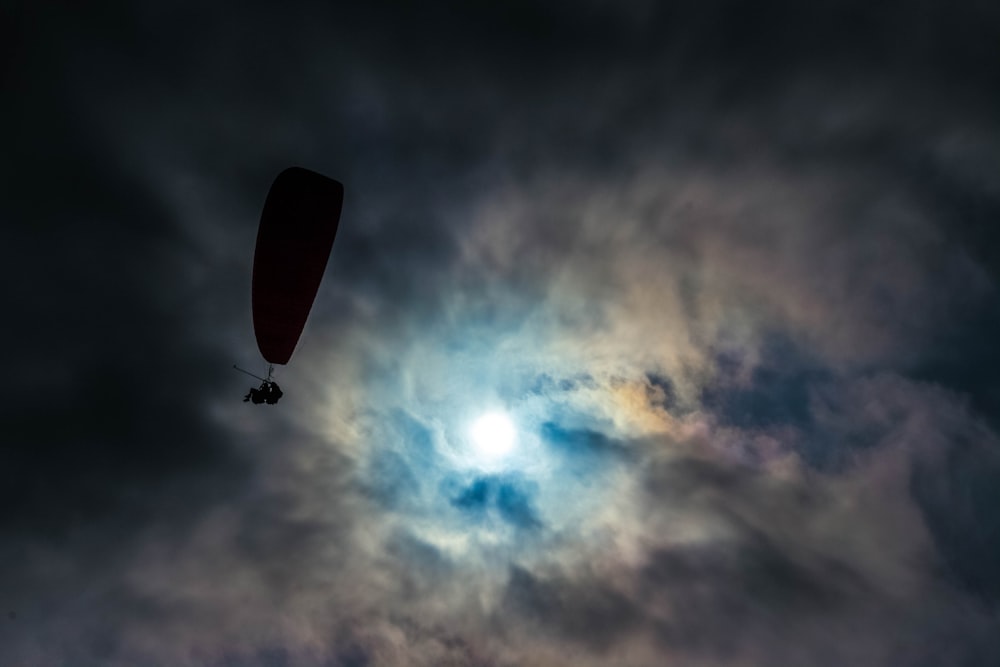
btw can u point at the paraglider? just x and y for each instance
(269, 392)
(297, 228)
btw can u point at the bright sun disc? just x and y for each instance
(493, 435)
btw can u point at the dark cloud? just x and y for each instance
(776, 391)
(956, 496)
(755, 588)
(731, 269)
(581, 444)
(508, 495)
(662, 393)
(587, 612)
(475, 496)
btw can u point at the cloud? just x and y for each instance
(729, 270)
(509, 496)
(590, 613)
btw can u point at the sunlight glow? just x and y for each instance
(493, 435)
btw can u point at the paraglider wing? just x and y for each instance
(297, 228)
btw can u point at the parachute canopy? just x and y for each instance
(297, 228)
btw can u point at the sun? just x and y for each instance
(493, 435)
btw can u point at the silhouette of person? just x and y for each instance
(273, 393)
(257, 394)
(267, 392)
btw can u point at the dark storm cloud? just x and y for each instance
(777, 391)
(752, 593)
(107, 436)
(732, 266)
(955, 463)
(783, 388)
(751, 576)
(104, 421)
(964, 356)
(957, 495)
(588, 611)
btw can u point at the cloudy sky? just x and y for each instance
(730, 269)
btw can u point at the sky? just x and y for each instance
(730, 270)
